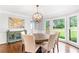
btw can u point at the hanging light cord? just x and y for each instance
(37, 7)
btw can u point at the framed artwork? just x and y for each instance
(15, 22)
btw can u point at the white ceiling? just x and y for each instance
(46, 10)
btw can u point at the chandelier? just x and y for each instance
(37, 17)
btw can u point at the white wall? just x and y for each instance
(4, 24)
(39, 27)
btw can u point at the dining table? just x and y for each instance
(45, 37)
(42, 39)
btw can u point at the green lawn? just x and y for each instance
(73, 34)
(62, 35)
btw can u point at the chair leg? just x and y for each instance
(57, 47)
(22, 47)
(48, 51)
(53, 50)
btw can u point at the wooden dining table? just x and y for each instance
(41, 40)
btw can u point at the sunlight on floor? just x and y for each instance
(66, 48)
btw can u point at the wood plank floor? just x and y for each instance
(17, 48)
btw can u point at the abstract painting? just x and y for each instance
(15, 22)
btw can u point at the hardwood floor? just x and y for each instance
(17, 48)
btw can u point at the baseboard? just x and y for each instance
(3, 43)
(8, 42)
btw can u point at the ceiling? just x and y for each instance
(47, 10)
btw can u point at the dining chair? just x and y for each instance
(57, 40)
(29, 43)
(51, 43)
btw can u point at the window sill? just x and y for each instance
(71, 43)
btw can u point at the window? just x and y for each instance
(59, 25)
(47, 26)
(73, 29)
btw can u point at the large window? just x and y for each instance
(59, 25)
(47, 26)
(73, 29)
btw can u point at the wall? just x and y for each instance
(39, 27)
(4, 24)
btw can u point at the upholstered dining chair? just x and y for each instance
(57, 40)
(29, 43)
(51, 43)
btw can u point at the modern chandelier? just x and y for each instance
(37, 17)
